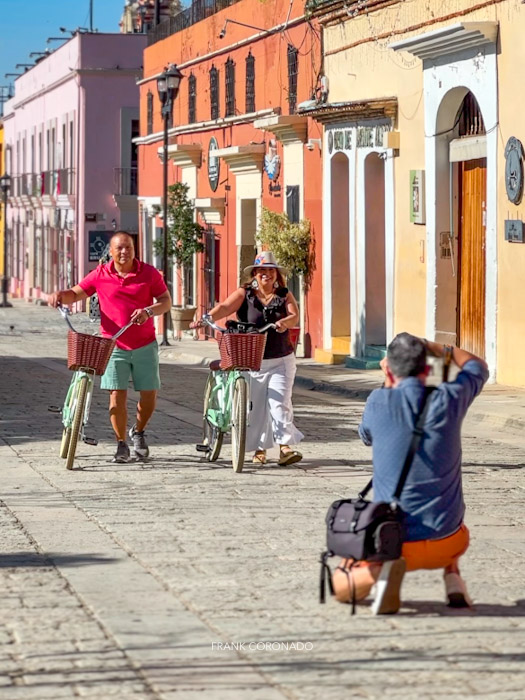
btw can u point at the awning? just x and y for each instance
(380, 108)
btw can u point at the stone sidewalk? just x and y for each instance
(178, 579)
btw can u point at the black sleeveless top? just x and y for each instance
(252, 310)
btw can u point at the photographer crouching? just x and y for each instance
(432, 497)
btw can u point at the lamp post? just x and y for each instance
(5, 185)
(168, 89)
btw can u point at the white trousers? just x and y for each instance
(271, 417)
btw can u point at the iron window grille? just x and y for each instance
(192, 99)
(292, 78)
(230, 88)
(250, 83)
(214, 92)
(470, 118)
(292, 203)
(149, 122)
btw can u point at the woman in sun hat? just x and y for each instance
(263, 299)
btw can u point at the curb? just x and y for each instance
(328, 388)
(510, 423)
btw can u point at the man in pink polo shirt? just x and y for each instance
(127, 289)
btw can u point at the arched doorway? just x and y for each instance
(461, 186)
(375, 273)
(471, 186)
(340, 249)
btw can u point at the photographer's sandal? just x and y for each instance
(456, 591)
(289, 456)
(387, 599)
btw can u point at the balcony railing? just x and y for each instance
(198, 10)
(57, 182)
(66, 181)
(50, 182)
(125, 181)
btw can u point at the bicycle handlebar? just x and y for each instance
(207, 319)
(66, 313)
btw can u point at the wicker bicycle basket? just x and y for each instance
(242, 350)
(89, 351)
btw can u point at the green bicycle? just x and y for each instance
(92, 356)
(226, 396)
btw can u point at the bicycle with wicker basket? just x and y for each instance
(226, 396)
(87, 355)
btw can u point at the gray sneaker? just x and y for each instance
(122, 454)
(140, 446)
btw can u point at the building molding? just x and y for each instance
(242, 159)
(184, 155)
(211, 209)
(447, 40)
(205, 126)
(287, 128)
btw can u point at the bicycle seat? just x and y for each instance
(215, 365)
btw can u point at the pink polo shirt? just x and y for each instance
(120, 296)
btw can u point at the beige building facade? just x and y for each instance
(423, 175)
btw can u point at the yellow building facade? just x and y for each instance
(423, 175)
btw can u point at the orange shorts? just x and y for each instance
(436, 554)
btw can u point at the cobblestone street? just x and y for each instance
(123, 580)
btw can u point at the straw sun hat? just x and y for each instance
(264, 259)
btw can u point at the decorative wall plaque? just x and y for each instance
(514, 170)
(214, 164)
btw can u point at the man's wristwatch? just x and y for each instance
(148, 311)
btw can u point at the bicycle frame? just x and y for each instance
(70, 403)
(80, 392)
(221, 417)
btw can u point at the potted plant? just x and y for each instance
(184, 237)
(290, 242)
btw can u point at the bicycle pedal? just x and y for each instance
(54, 409)
(202, 448)
(90, 441)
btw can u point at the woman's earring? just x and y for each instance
(255, 284)
(275, 284)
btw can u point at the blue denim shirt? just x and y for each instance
(432, 498)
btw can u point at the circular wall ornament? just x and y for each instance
(514, 170)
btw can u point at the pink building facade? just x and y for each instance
(69, 151)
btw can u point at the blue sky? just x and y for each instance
(26, 24)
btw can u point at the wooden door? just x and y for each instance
(471, 256)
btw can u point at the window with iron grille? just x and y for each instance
(292, 203)
(192, 99)
(230, 88)
(292, 78)
(214, 92)
(149, 122)
(250, 83)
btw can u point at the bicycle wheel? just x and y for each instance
(212, 435)
(64, 445)
(78, 418)
(239, 424)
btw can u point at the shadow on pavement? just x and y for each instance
(16, 560)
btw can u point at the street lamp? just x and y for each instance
(5, 186)
(168, 89)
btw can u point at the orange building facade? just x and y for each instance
(236, 140)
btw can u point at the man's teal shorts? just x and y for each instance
(142, 365)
